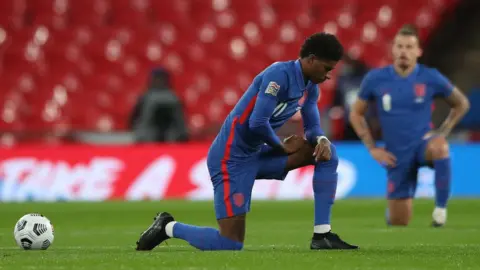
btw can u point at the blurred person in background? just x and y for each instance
(158, 114)
(404, 93)
(348, 84)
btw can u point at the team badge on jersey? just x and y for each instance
(420, 91)
(272, 89)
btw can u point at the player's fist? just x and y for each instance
(322, 151)
(383, 156)
(292, 144)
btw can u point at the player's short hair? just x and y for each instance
(324, 46)
(409, 30)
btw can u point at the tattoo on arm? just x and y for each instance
(365, 135)
(359, 124)
(459, 106)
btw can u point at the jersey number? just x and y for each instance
(387, 102)
(279, 109)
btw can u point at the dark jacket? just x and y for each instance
(158, 114)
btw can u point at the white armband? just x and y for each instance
(319, 138)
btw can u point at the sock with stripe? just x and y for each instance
(203, 238)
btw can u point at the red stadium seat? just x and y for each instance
(131, 13)
(51, 13)
(88, 12)
(24, 59)
(248, 10)
(290, 10)
(13, 7)
(201, 11)
(171, 11)
(134, 5)
(12, 13)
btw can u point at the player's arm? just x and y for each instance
(457, 101)
(273, 82)
(311, 117)
(311, 126)
(459, 105)
(358, 111)
(359, 123)
(360, 126)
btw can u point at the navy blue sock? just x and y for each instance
(204, 238)
(442, 181)
(324, 188)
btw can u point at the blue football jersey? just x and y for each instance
(404, 104)
(274, 96)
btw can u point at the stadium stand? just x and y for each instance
(68, 64)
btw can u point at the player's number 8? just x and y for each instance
(387, 102)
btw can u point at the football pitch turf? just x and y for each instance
(102, 236)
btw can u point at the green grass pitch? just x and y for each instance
(102, 236)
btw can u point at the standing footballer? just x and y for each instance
(404, 93)
(247, 148)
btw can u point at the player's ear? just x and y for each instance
(420, 52)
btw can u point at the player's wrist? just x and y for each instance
(444, 131)
(320, 138)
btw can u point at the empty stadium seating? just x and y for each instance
(81, 63)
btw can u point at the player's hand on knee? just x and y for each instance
(322, 152)
(292, 144)
(383, 156)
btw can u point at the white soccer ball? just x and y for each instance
(33, 231)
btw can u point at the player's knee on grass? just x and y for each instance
(437, 149)
(400, 212)
(233, 228)
(399, 220)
